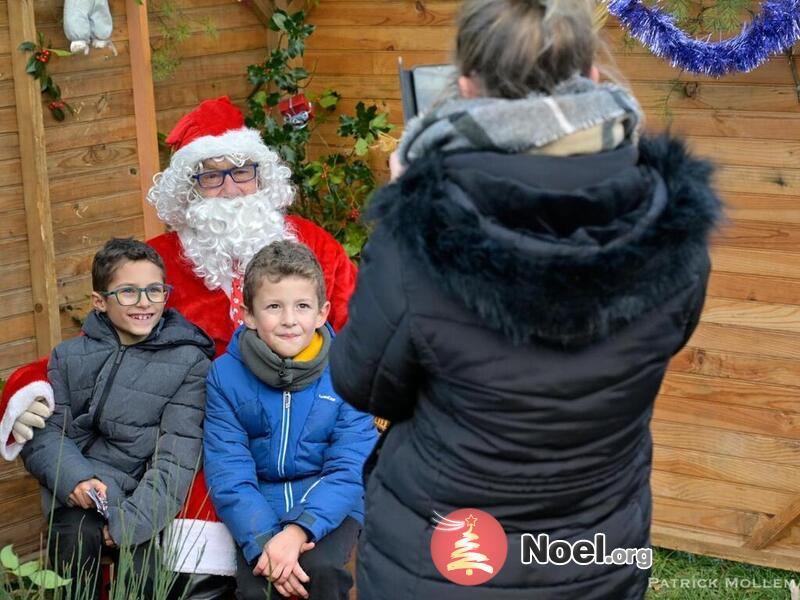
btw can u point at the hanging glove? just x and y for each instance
(87, 22)
(38, 412)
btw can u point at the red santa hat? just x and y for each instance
(24, 386)
(214, 129)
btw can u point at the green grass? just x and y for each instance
(682, 576)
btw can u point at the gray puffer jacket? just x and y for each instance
(130, 416)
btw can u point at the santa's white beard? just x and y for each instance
(221, 232)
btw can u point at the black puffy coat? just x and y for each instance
(514, 317)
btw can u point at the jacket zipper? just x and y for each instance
(107, 389)
(285, 422)
(288, 495)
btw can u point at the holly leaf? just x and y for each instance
(58, 114)
(30, 68)
(8, 559)
(353, 246)
(299, 73)
(260, 97)
(314, 180)
(295, 47)
(378, 122)
(362, 146)
(27, 569)
(27, 47)
(60, 52)
(328, 99)
(288, 153)
(347, 125)
(357, 233)
(257, 75)
(48, 580)
(278, 21)
(298, 18)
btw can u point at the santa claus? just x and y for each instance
(222, 197)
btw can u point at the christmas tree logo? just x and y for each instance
(468, 546)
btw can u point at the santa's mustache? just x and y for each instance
(223, 232)
(231, 215)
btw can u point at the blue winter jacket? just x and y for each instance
(276, 457)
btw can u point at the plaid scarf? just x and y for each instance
(580, 117)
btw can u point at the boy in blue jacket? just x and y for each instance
(283, 453)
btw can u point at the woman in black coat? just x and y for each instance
(531, 273)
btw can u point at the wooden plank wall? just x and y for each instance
(95, 189)
(211, 67)
(18, 494)
(16, 308)
(728, 419)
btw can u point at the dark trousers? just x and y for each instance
(76, 543)
(325, 565)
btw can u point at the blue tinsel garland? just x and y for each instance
(775, 29)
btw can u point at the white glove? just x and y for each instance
(38, 412)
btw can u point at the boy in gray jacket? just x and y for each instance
(127, 427)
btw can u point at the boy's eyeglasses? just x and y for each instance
(130, 295)
(215, 179)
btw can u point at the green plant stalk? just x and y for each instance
(128, 583)
(173, 26)
(333, 189)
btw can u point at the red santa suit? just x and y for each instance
(200, 543)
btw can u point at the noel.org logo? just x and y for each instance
(468, 546)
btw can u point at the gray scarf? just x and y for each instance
(580, 117)
(282, 373)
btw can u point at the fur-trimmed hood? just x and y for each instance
(560, 264)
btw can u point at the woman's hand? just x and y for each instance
(396, 168)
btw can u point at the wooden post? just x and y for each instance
(144, 104)
(263, 10)
(36, 191)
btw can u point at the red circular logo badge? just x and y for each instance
(468, 546)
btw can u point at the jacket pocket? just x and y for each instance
(254, 419)
(253, 416)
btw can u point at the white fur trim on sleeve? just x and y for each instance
(194, 546)
(17, 405)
